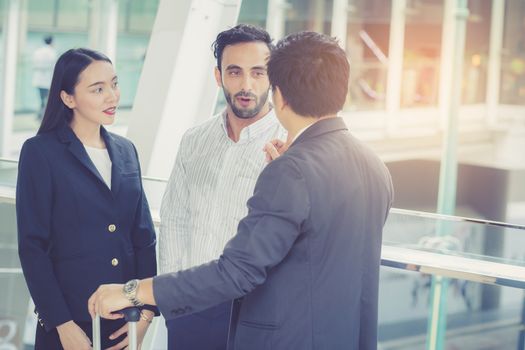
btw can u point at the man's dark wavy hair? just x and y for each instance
(312, 72)
(241, 33)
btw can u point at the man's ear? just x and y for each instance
(218, 76)
(278, 100)
(67, 99)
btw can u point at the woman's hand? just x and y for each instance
(72, 337)
(142, 327)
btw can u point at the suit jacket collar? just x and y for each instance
(114, 147)
(321, 127)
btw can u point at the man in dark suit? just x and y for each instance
(305, 261)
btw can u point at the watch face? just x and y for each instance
(130, 286)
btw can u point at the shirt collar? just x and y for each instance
(300, 132)
(253, 130)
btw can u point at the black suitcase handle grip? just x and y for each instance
(131, 314)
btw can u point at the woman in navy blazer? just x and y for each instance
(83, 218)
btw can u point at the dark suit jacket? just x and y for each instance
(306, 258)
(74, 233)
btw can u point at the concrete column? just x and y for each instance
(318, 15)
(95, 23)
(395, 63)
(456, 11)
(22, 27)
(446, 61)
(8, 73)
(110, 24)
(276, 18)
(494, 64)
(177, 88)
(104, 27)
(340, 21)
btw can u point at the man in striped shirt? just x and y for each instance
(217, 165)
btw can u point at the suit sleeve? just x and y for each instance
(34, 198)
(144, 238)
(277, 210)
(174, 218)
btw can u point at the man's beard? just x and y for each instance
(242, 113)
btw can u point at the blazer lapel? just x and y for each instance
(66, 135)
(116, 156)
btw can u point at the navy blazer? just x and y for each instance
(306, 257)
(74, 233)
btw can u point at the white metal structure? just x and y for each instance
(103, 27)
(8, 73)
(177, 88)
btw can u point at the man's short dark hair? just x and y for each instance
(312, 72)
(241, 33)
(48, 39)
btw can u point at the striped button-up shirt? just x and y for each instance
(209, 186)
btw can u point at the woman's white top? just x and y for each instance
(100, 157)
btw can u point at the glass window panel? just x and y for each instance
(41, 14)
(73, 15)
(136, 19)
(2, 14)
(367, 42)
(124, 9)
(512, 89)
(254, 12)
(141, 15)
(423, 31)
(314, 15)
(131, 52)
(476, 51)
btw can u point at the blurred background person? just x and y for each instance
(44, 60)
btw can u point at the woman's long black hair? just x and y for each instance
(65, 77)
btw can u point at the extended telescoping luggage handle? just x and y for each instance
(132, 316)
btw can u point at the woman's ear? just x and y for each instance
(67, 99)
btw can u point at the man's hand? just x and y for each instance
(107, 299)
(72, 337)
(142, 327)
(274, 149)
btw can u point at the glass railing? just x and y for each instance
(8, 170)
(478, 316)
(483, 262)
(13, 293)
(492, 251)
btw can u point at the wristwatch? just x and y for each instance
(130, 291)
